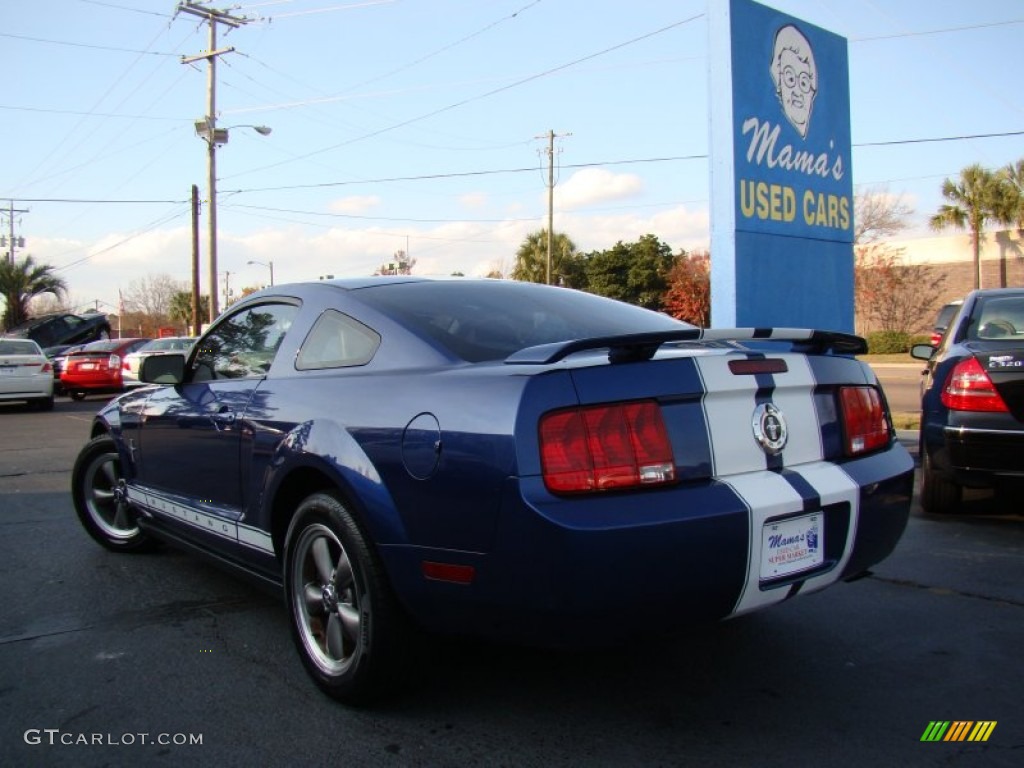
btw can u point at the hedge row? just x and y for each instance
(893, 342)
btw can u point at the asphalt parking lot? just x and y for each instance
(165, 660)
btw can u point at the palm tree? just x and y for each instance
(180, 309)
(972, 205)
(532, 257)
(1009, 205)
(20, 281)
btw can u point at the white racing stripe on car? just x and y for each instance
(834, 486)
(729, 409)
(246, 535)
(769, 495)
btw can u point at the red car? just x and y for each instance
(96, 368)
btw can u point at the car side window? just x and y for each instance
(243, 345)
(337, 341)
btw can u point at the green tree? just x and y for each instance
(1009, 202)
(532, 260)
(972, 204)
(179, 309)
(20, 281)
(636, 273)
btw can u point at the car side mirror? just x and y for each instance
(163, 369)
(922, 351)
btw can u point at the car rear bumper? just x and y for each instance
(604, 568)
(24, 388)
(79, 383)
(985, 451)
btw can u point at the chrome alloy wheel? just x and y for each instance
(326, 600)
(105, 497)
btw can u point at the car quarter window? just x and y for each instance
(244, 344)
(337, 341)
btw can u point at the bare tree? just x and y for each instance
(152, 295)
(891, 295)
(878, 215)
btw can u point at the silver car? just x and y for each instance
(130, 364)
(25, 373)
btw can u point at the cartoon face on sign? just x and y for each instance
(795, 75)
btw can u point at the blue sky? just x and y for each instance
(417, 124)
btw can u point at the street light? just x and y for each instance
(208, 131)
(270, 266)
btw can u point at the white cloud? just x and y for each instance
(354, 204)
(596, 185)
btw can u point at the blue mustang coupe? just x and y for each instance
(498, 458)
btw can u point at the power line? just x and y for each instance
(479, 97)
(85, 45)
(924, 33)
(500, 171)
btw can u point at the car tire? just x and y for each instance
(346, 623)
(939, 494)
(98, 493)
(76, 395)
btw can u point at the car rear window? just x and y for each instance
(17, 347)
(99, 347)
(489, 320)
(998, 317)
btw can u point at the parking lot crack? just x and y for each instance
(947, 591)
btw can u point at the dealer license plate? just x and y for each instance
(7, 370)
(792, 546)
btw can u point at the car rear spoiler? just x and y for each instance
(642, 346)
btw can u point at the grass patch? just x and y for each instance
(903, 357)
(905, 420)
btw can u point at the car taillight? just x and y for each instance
(114, 362)
(47, 367)
(605, 447)
(969, 388)
(865, 426)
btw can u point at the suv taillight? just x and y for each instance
(605, 447)
(969, 388)
(865, 426)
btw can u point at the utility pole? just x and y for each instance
(551, 136)
(227, 288)
(18, 242)
(209, 131)
(197, 322)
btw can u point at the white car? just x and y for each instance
(25, 373)
(130, 364)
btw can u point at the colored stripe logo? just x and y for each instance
(959, 730)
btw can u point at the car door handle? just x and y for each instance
(224, 416)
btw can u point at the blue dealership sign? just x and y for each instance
(782, 189)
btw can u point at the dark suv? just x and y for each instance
(61, 328)
(944, 318)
